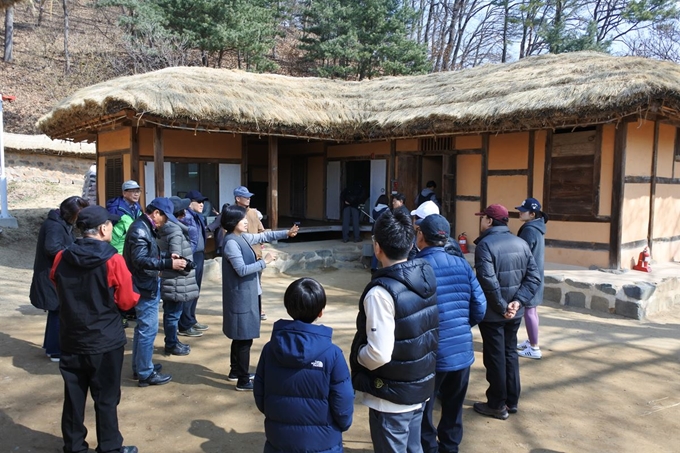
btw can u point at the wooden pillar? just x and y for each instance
(618, 183)
(134, 154)
(652, 188)
(158, 160)
(273, 195)
(391, 169)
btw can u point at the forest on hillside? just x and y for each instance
(53, 47)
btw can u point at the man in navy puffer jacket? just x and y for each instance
(508, 274)
(461, 305)
(302, 384)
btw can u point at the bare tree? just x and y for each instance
(662, 42)
(67, 56)
(9, 33)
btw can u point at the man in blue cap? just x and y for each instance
(188, 324)
(145, 260)
(242, 198)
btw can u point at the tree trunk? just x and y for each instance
(67, 56)
(9, 33)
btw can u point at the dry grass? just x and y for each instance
(539, 92)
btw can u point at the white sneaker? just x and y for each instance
(523, 345)
(530, 353)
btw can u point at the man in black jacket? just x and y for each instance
(508, 274)
(94, 285)
(393, 354)
(145, 261)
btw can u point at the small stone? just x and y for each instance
(640, 291)
(575, 299)
(580, 285)
(552, 295)
(613, 271)
(599, 303)
(606, 288)
(324, 253)
(628, 309)
(554, 278)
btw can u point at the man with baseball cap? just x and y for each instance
(242, 198)
(145, 261)
(423, 211)
(127, 207)
(188, 325)
(461, 305)
(508, 274)
(94, 285)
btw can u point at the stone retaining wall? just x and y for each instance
(46, 167)
(633, 300)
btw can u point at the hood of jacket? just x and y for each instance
(493, 230)
(296, 344)
(88, 253)
(426, 192)
(171, 227)
(537, 224)
(120, 206)
(413, 275)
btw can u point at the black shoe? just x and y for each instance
(190, 332)
(155, 379)
(484, 409)
(233, 377)
(129, 449)
(179, 349)
(248, 387)
(156, 368)
(511, 409)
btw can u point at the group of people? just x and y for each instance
(129, 259)
(413, 342)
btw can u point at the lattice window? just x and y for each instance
(114, 177)
(436, 144)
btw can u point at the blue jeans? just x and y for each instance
(352, 212)
(146, 329)
(171, 313)
(396, 432)
(451, 386)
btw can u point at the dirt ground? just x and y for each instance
(605, 383)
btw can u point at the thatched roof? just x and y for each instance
(42, 144)
(4, 4)
(547, 91)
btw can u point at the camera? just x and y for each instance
(190, 264)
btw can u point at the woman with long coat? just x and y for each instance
(241, 288)
(56, 234)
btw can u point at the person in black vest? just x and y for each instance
(393, 354)
(94, 285)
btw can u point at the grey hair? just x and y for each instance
(90, 232)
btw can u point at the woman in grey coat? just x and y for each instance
(533, 232)
(177, 287)
(241, 288)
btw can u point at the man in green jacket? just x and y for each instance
(127, 207)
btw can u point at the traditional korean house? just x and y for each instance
(593, 136)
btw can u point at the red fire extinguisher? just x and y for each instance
(643, 261)
(462, 242)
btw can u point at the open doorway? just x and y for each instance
(359, 171)
(431, 171)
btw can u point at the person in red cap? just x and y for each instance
(508, 274)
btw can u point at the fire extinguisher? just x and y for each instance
(462, 242)
(643, 261)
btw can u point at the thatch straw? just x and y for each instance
(44, 145)
(4, 4)
(540, 92)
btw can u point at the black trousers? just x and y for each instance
(100, 374)
(501, 362)
(240, 360)
(451, 387)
